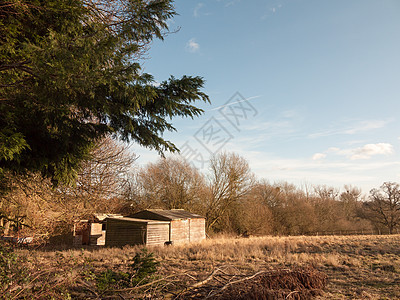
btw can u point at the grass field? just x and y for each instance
(357, 267)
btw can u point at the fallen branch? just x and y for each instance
(291, 293)
(205, 280)
(145, 285)
(234, 282)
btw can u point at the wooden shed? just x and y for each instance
(91, 231)
(132, 231)
(184, 226)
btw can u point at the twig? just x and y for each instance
(205, 280)
(144, 285)
(190, 276)
(292, 292)
(87, 286)
(233, 282)
(33, 280)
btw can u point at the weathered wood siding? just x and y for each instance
(97, 235)
(157, 234)
(77, 240)
(197, 230)
(120, 233)
(188, 230)
(185, 226)
(180, 231)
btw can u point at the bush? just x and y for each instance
(141, 271)
(13, 273)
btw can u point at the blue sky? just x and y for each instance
(306, 90)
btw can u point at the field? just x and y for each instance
(357, 267)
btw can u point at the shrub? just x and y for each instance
(140, 271)
(13, 273)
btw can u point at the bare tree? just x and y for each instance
(169, 184)
(350, 201)
(292, 211)
(325, 206)
(383, 206)
(26, 207)
(102, 180)
(254, 214)
(230, 180)
(32, 204)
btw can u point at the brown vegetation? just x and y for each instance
(366, 267)
(231, 198)
(234, 202)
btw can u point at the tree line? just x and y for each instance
(229, 195)
(72, 86)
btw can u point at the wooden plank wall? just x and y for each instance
(180, 231)
(197, 230)
(188, 230)
(120, 233)
(97, 235)
(157, 234)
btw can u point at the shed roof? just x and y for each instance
(102, 217)
(129, 219)
(173, 214)
(97, 217)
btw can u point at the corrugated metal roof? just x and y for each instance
(175, 214)
(137, 220)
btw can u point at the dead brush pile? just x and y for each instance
(299, 283)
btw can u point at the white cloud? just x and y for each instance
(353, 129)
(372, 149)
(230, 3)
(365, 152)
(156, 83)
(366, 126)
(236, 102)
(196, 11)
(289, 114)
(192, 46)
(318, 156)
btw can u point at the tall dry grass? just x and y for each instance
(356, 265)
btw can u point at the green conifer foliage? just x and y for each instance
(70, 74)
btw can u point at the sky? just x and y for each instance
(307, 91)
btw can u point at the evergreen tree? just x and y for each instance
(70, 74)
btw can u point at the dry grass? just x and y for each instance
(358, 267)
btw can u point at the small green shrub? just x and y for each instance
(13, 273)
(109, 279)
(140, 271)
(143, 266)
